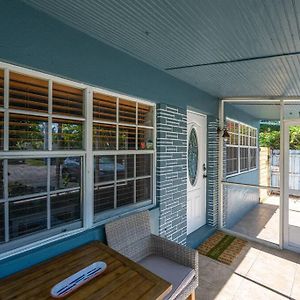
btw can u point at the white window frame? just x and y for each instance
(48, 236)
(111, 214)
(248, 147)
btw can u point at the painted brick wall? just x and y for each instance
(212, 172)
(172, 172)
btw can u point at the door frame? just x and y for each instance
(285, 178)
(205, 157)
(283, 211)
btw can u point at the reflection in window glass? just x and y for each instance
(143, 189)
(65, 172)
(2, 235)
(253, 158)
(193, 156)
(127, 138)
(244, 137)
(125, 166)
(125, 193)
(104, 137)
(1, 180)
(65, 207)
(145, 139)
(231, 160)
(104, 168)
(244, 159)
(27, 132)
(27, 216)
(27, 176)
(143, 164)
(103, 198)
(1, 130)
(66, 134)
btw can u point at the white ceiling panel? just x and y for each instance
(177, 33)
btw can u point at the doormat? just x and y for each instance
(222, 247)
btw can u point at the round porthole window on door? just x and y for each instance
(193, 156)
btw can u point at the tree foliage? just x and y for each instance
(269, 136)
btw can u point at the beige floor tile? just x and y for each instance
(258, 273)
(261, 222)
(231, 285)
(295, 294)
(273, 272)
(245, 260)
(252, 291)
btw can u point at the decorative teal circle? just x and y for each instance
(193, 156)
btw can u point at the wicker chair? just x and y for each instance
(131, 236)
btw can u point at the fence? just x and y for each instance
(294, 170)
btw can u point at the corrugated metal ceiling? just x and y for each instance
(174, 33)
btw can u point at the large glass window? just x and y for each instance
(241, 149)
(123, 177)
(39, 190)
(42, 193)
(45, 142)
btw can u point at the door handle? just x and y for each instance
(204, 176)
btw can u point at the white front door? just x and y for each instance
(196, 171)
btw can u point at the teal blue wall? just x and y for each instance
(31, 39)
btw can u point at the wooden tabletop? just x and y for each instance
(123, 278)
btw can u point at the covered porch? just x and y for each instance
(113, 109)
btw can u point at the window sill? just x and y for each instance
(241, 173)
(61, 236)
(40, 243)
(109, 216)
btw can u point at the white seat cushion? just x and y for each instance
(178, 275)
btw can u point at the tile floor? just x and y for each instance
(257, 273)
(263, 220)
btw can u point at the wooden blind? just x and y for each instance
(1, 87)
(127, 111)
(27, 132)
(145, 115)
(104, 107)
(28, 93)
(67, 100)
